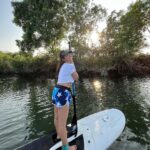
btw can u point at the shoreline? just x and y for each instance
(112, 73)
(133, 66)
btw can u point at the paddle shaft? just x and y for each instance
(74, 119)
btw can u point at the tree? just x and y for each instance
(124, 32)
(132, 26)
(46, 22)
(108, 37)
(42, 21)
(82, 26)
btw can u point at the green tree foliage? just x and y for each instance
(124, 32)
(5, 62)
(42, 21)
(83, 25)
(23, 63)
(46, 22)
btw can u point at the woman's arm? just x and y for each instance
(75, 76)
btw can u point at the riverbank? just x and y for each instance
(44, 65)
(138, 66)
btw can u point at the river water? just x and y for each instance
(26, 111)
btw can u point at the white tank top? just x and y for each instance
(65, 72)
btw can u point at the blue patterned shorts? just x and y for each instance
(61, 96)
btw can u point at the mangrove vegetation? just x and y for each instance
(47, 23)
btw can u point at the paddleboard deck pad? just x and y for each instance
(95, 132)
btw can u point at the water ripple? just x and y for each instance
(26, 111)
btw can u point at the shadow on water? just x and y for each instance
(28, 99)
(38, 112)
(98, 94)
(26, 111)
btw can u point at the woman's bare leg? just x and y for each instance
(56, 120)
(62, 122)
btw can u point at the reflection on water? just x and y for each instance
(97, 85)
(26, 111)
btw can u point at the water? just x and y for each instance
(26, 111)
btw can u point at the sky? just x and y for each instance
(9, 32)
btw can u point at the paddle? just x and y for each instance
(74, 119)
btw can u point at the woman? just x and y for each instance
(61, 96)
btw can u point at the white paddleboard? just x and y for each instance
(98, 130)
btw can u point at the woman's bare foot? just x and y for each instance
(73, 147)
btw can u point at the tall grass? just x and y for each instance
(20, 63)
(5, 62)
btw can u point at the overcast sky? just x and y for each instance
(9, 32)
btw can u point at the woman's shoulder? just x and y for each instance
(68, 65)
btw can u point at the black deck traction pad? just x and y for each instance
(42, 143)
(45, 142)
(79, 142)
(70, 132)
